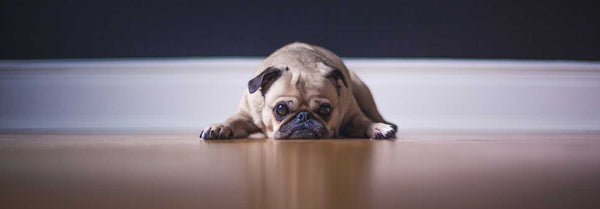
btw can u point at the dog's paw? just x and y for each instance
(381, 131)
(217, 131)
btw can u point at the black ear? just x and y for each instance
(264, 80)
(336, 75)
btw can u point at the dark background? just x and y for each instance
(455, 29)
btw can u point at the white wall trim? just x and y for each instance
(189, 93)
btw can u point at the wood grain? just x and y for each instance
(421, 170)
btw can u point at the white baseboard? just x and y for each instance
(187, 94)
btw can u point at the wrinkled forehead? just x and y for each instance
(303, 87)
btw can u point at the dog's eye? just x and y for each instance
(281, 110)
(324, 110)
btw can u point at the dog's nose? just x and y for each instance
(303, 116)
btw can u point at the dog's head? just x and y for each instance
(304, 95)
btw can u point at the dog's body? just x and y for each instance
(301, 91)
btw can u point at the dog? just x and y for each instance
(304, 91)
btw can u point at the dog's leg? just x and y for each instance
(360, 126)
(239, 125)
(364, 98)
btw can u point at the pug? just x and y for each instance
(303, 91)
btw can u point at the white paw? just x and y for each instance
(381, 131)
(217, 131)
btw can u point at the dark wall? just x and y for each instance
(523, 29)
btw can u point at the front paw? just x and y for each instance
(217, 131)
(381, 131)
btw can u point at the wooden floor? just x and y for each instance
(419, 170)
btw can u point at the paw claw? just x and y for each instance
(382, 131)
(217, 131)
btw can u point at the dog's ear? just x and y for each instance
(264, 80)
(336, 75)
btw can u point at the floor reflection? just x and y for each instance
(307, 174)
(173, 171)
